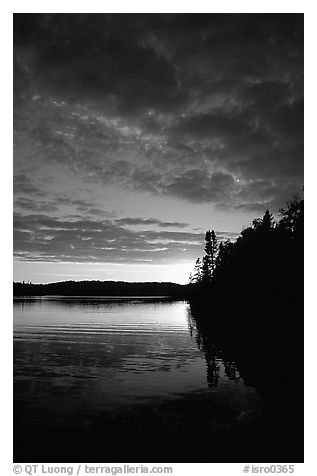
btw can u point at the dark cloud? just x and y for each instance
(86, 207)
(203, 108)
(95, 57)
(23, 185)
(197, 186)
(38, 237)
(150, 221)
(34, 205)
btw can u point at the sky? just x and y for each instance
(135, 133)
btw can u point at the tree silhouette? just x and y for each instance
(211, 248)
(198, 270)
(292, 219)
(206, 274)
(265, 252)
(266, 224)
(205, 267)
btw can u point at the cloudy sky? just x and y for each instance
(133, 134)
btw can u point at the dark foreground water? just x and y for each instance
(113, 379)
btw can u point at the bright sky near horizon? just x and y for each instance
(133, 134)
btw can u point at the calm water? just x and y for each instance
(78, 358)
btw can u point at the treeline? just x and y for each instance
(100, 288)
(266, 257)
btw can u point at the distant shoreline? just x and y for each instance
(105, 289)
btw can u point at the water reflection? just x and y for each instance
(265, 357)
(214, 356)
(125, 349)
(86, 366)
(99, 336)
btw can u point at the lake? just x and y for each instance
(115, 379)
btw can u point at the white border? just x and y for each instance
(181, 6)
